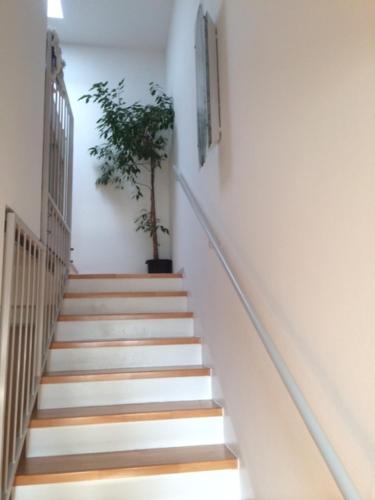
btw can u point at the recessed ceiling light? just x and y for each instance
(55, 9)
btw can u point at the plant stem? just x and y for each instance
(155, 243)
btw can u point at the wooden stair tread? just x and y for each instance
(123, 295)
(125, 374)
(165, 341)
(114, 276)
(91, 466)
(125, 413)
(124, 316)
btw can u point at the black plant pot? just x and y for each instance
(157, 266)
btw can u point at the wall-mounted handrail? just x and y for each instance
(326, 449)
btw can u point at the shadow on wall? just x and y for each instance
(225, 146)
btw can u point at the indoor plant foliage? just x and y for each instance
(135, 146)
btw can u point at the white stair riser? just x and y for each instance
(114, 392)
(123, 357)
(127, 329)
(118, 305)
(125, 285)
(211, 485)
(124, 436)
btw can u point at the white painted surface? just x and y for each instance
(114, 392)
(290, 192)
(123, 357)
(115, 23)
(22, 63)
(103, 232)
(124, 305)
(128, 436)
(211, 485)
(125, 285)
(124, 329)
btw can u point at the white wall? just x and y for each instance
(291, 194)
(104, 236)
(22, 62)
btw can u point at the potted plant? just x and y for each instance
(134, 149)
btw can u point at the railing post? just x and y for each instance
(6, 307)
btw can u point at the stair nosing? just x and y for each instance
(104, 343)
(125, 295)
(124, 316)
(224, 460)
(124, 472)
(113, 276)
(119, 414)
(62, 377)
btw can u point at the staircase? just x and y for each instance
(125, 409)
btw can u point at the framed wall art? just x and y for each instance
(207, 82)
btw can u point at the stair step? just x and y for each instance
(120, 276)
(124, 302)
(85, 467)
(124, 374)
(124, 316)
(67, 431)
(125, 407)
(124, 295)
(125, 413)
(86, 344)
(123, 353)
(128, 328)
(122, 386)
(124, 282)
(206, 485)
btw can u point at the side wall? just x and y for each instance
(290, 192)
(104, 237)
(22, 62)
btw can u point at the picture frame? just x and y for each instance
(207, 84)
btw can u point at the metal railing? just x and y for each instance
(320, 438)
(33, 281)
(58, 141)
(60, 148)
(20, 341)
(35, 271)
(57, 267)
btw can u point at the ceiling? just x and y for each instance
(139, 24)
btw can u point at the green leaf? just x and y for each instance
(135, 140)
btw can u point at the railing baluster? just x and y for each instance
(33, 329)
(7, 291)
(10, 401)
(31, 370)
(25, 330)
(19, 338)
(40, 314)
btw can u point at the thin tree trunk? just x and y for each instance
(155, 243)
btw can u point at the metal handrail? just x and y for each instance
(320, 438)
